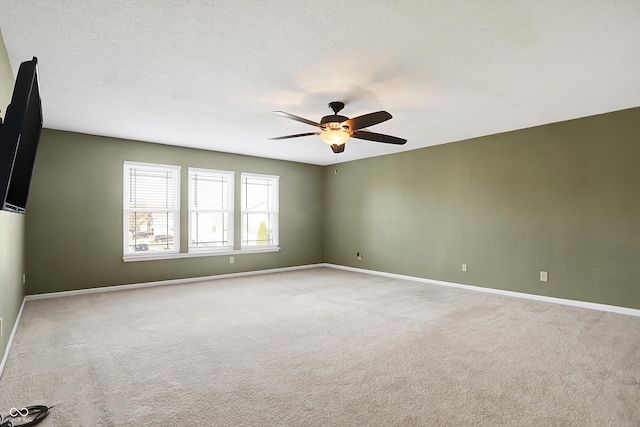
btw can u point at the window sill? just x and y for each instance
(133, 258)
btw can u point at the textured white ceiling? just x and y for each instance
(208, 74)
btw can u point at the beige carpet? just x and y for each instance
(322, 347)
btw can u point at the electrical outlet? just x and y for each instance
(24, 278)
(359, 255)
(464, 267)
(544, 276)
(1, 328)
(232, 259)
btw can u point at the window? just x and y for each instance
(259, 210)
(210, 210)
(151, 209)
(151, 212)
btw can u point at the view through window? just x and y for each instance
(151, 208)
(259, 210)
(210, 210)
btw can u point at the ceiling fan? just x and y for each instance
(335, 130)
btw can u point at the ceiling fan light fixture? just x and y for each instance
(334, 136)
(335, 129)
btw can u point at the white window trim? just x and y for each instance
(176, 211)
(235, 252)
(214, 250)
(276, 226)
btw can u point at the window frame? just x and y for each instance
(230, 176)
(176, 171)
(275, 229)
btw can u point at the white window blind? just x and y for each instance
(210, 210)
(260, 207)
(151, 209)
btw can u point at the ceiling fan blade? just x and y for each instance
(294, 136)
(296, 118)
(367, 120)
(378, 137)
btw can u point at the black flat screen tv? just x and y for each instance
(19, 138)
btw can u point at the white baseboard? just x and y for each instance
(11, 337)
(165, 282)
(574, 303)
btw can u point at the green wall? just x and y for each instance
(74, 221)
(563, 198)
(11, 230)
